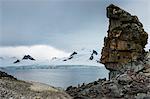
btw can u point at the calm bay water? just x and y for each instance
(60, 77)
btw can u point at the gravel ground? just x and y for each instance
(16, 89)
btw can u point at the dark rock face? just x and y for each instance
(95, 52)
(125, 42)
(74, 53)
(17, 61)
(5, 75)
(92, 55)
(27, 57)
(85, 91)
(71, 56)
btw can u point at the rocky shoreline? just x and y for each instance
(130, 85)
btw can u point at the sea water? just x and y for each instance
(60, 77)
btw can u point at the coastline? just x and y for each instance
(11, 88)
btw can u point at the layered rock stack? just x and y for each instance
(125, 42)
(123, 54)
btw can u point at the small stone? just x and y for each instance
(124, 79)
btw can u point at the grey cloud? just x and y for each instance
(64, 24)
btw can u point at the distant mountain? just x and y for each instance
(17, 61)
(26, 57)
(7, 61)
(80, 57)
(84, 57)
(14, 61)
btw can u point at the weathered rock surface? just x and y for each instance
(129, 85)
(124, 56)
(125, 42)
(11, 88)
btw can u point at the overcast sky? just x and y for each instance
(64, 25)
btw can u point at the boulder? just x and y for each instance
(124, 79)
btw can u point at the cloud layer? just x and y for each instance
(37, 51)
(63, 24)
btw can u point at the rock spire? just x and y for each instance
(125, 41)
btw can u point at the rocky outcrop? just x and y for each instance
(28, 57)
(75, 54)
(124, 56)
(125, 42)
(129, 85)
(71, 56)
(17, 61)
(92, 55)
(5, 75)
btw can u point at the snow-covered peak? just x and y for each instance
(7, 61)
(80, 57)
(28, 57)
(14, 61)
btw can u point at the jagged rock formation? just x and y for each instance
(75, 54)
(71, 56)
(92, 57)
(123, 54)
(5, 75)
(125, 42)
(126, 86)
(28, 57)
(17, 61)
